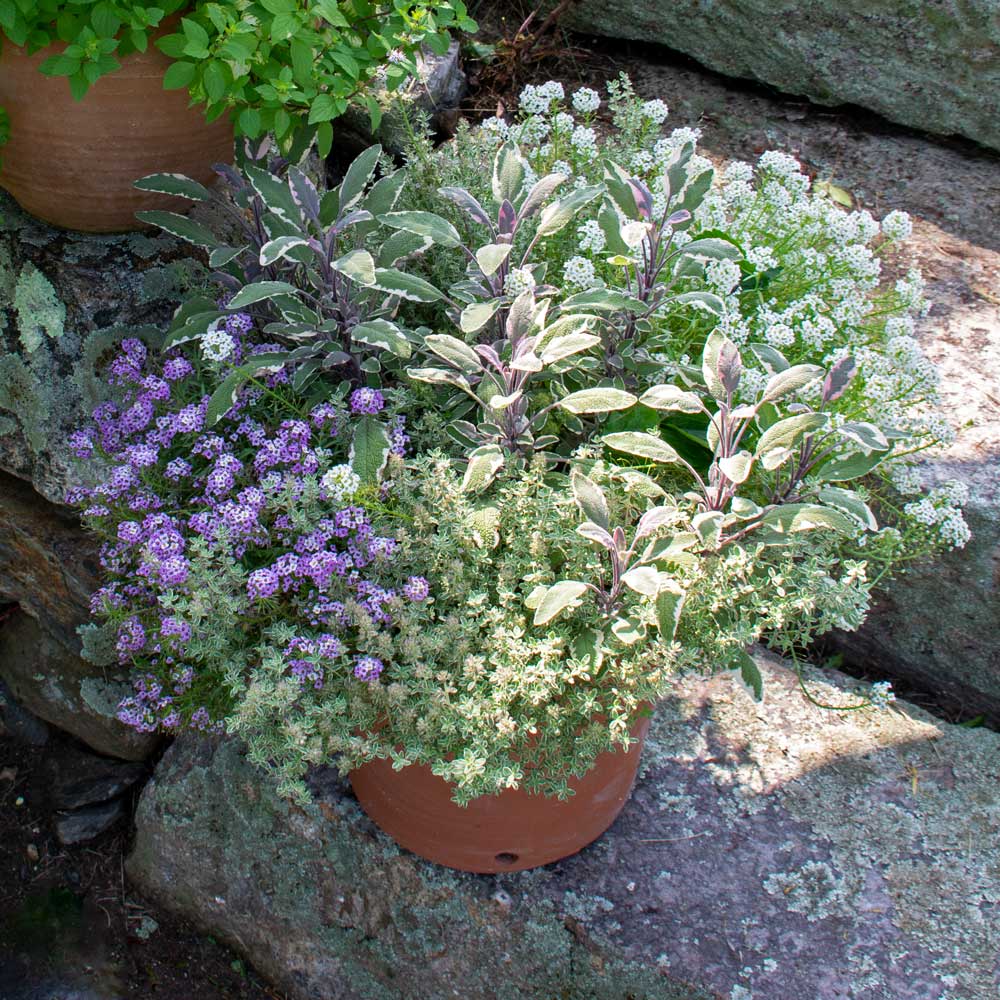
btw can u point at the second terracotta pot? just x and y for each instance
(496, 833)
(73, 163)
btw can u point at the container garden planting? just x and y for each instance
(449, 476)
(97, 95)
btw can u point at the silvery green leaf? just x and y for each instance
(491, 256)
(477, 314)
(865, 434)
(590, 499)
(603, 300)
(595, 533)
(708, 525)
(789, 432)
(561, 595)
(671, 397)
(775, 458)
(555, 216)
(838, 379)
(509, 169)
(436, 229)
(382, 333)
(565, 346)
(258, 291)
(356, 179)
(669, 604)
(743, 412)
(405, 285)
(842, 470)
(603, 399)
(484, 464)
(770, 357)
(795, 517)
(744, 509)
(714, 345)
(276, 249)
(177, 184)
(712, 248)
(527, 361)
(641, 444)
(670, 548)
(456, 352)
(502, 402)
(221, 256)
(640, 483)
(464, 433)
(736, 467)
(652, 520)
(541, 191)
(401, 244)
(535, 597)
(849, 502)
(703, 300)
(749, 673)
(522, 316)
(358, 265)
(468, 203)
(790, 380)
(643, 580)
(629, 630)
(180, 226)
(369, 449)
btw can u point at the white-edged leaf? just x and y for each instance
(176, 184)
(455, 352)
(558, 214)
(795, 517)
(405, 285)
(439, 230)
(369, 449)
(737, 467)
(567, 345)
(749, 673)
(358, 265)
(258, 291)
(484, 464)
(790, 380)
(279, 247)
(221, 256)
(849, 502)
(180, 226)
(557, 598)
(509, 170)
(669, 604)
(491, 256)
(788, 432)
(356, 179)
(382, 333)
(652, 520)
(595, 533)
(477, 314)
(502, 402)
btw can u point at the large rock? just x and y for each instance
(935, 66)
(768, 852)
(934, 629)
(65, 301)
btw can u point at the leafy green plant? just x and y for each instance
(275, 66)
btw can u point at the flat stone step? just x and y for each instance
(769, 851)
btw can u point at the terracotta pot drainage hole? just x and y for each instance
(506, 858)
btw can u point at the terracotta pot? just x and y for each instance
(497, 833)
(73, 163)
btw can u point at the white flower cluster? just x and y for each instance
(881, 695)
(586, 100)
(579, 272)
(519, 280)
(941, 509)
(341, 482)
(592, 237)
(897, 226)
(217, 345)
(537, 100)
(656, 111)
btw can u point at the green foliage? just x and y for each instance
(274, 66)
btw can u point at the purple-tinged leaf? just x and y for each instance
(643, 197)
(304, 194)
(506, 218)
(467, 203)
(678, 217)
(838, 379)
(730, 366)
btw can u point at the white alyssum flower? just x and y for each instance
(562, 167)
(552, 90)
(586, 100)
(341, 482)
(722, 275)
(591, 236)
(656, 111)
(563, 122)
(780, 335)
(897, 226)
(584, 141)
(217, 345)
(533, 101)
(519, 280)
(579, 271)
(643, 161)
(881, 695)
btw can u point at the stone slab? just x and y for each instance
(934, 66)
(769, 851)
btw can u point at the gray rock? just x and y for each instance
(85, 824)
(771, 851)
(67, 691)
(934, 66)
(77, 779)
(18, 724)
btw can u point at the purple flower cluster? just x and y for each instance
(175, 490)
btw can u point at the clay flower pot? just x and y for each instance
(73, 163)
(496, 833)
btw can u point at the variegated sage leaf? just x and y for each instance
(790, 380)
(484, 464)
(669, 604)
(455, 352)
(603, 399)
(558, 598)
(671, 397)
(369, 449)
(641, 444)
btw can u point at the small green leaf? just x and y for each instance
(749, 673)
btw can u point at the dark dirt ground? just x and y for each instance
(70, 925)
(71, 928)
